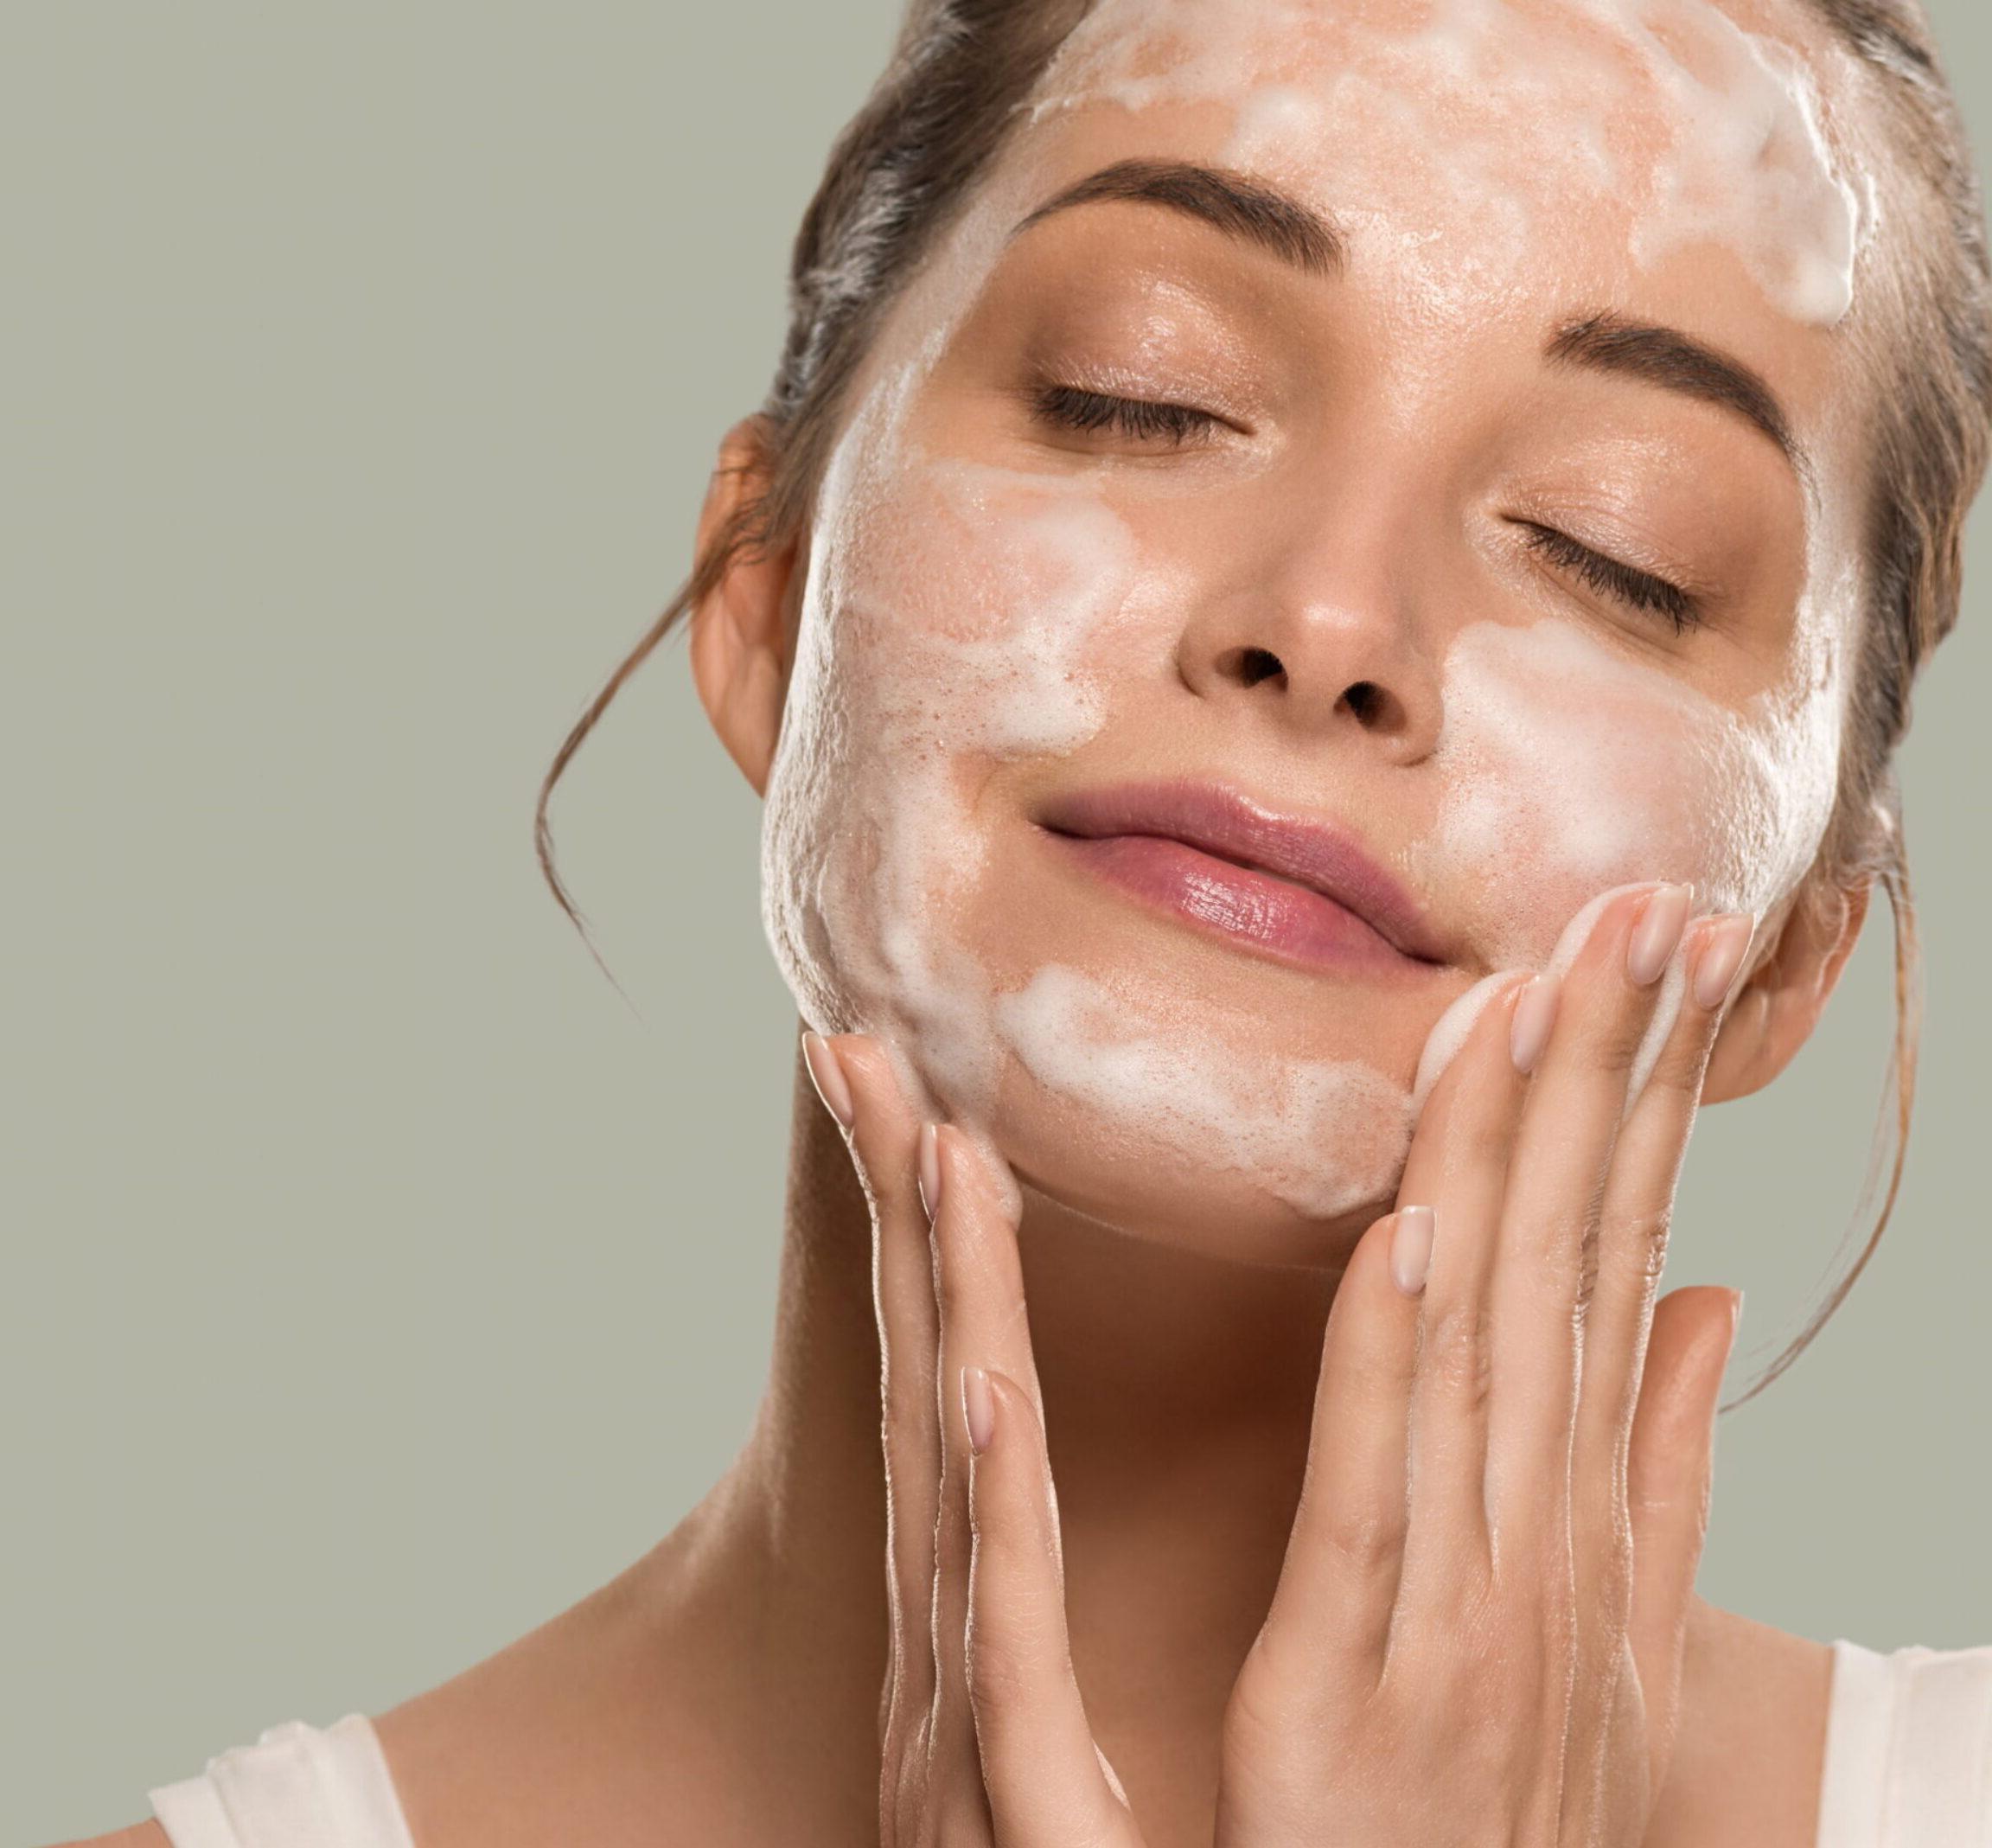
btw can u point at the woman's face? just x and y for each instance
(1238, 622)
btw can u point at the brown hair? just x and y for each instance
(942, 111)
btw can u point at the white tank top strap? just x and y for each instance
(1908, 1749)
(297, 1787)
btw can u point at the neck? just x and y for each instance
(1177, 1392)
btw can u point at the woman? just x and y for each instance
(1322, 606)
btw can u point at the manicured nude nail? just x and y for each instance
(1657, 934)
(1411, 1247)
(978, 1407)
(1723, 948)
(930, 1168)
(828, 1078)
(1534, 1015)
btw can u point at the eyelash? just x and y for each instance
(1640, 589)
(1073, 408)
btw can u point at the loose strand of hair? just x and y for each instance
(706, 577)
(1900, 1092)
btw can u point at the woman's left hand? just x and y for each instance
(1478, 1632)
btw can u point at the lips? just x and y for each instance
(1300, 889)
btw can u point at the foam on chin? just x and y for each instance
(1320, 1137)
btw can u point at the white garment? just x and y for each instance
(1908, 1765)
(296, 1788)
(1908, 1749)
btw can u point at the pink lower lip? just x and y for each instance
(1259, 909)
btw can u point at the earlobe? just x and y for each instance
(1785, 991)
(739, 639)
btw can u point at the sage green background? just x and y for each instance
(375, 1283)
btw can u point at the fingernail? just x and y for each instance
(828, 1078)
(930, 1168)
(1724, 947)
(978, 1407)
(1411, 1247)
(1657, 935)
(1534, 1015)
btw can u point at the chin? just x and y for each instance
(1277, 1166)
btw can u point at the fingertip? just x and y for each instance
(1720, 950)
(876, 1080)
(1532, 1017)
(1412, 1233)
(978, 1407)
(928, 1169)
(827, 1074)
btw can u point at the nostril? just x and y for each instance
(1365, 700)
(1251, 665)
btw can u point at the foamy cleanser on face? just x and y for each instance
(961, 618)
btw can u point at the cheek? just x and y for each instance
(1568, 769)
(957, 615)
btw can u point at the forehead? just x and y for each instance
(1479, 139)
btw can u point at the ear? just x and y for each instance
(1787, 989)
(739, 628)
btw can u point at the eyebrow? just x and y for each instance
(1676, 363)
(1253, 213)
(1249, 210)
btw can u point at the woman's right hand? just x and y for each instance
(985, 1741)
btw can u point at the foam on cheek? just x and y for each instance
(1568, 766)
(1322, 1137)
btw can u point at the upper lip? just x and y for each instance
(1229, 825)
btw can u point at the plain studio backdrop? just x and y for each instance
(376, 1283)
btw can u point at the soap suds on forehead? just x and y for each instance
(1479, 95)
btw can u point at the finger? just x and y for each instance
(1458, 1165)
(855, 1074)
(1547, 1242)
(978, 1286)
(1339, 1579)
(1046, 1780)
(1669, 1470)
(1637, 1214)
(1546, 1247)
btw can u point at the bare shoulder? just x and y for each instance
(1751, 1746)
(139, 1835)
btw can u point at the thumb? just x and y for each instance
(1668, 1471)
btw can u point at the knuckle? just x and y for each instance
(1275, 1717)
(1588, 1248)
(1682, 1061)
(1362, 1541)
(999, 1668)
(1643, 1239)
(1485, 1136)
(1620, 1029)
(1455, 1350)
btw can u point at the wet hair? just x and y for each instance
(960, 73)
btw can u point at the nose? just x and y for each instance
(1319, 636)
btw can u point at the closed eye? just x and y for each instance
(1141, 419)
(1624, 583)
